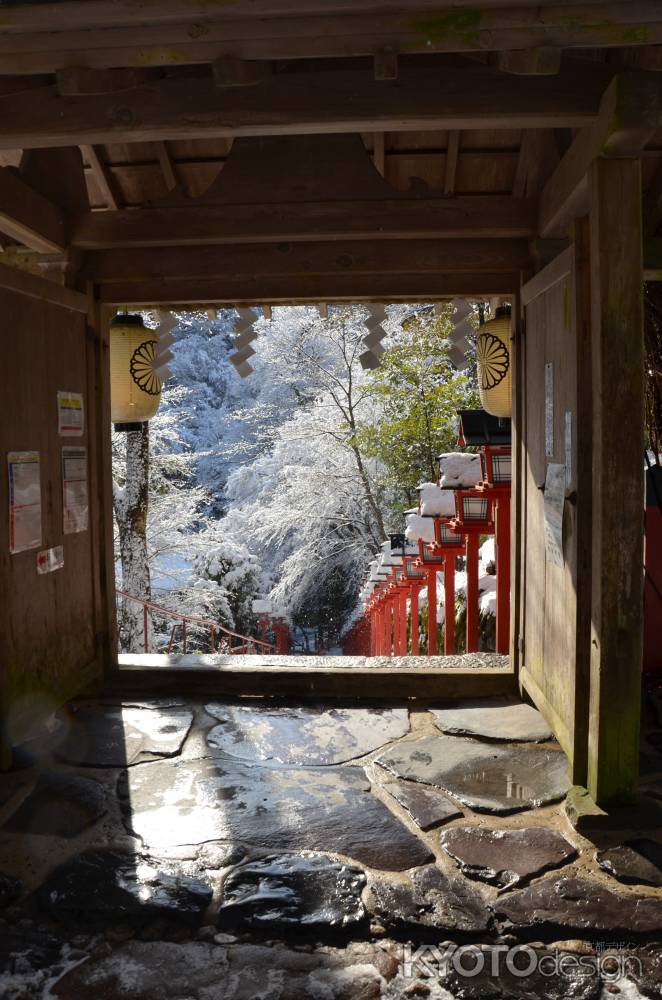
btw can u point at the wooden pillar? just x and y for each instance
(401, 611)
(502, 551)
(432, 612)
(472, 546)
(618, 479)
(449, 605)
(415, 591)
(388, 628)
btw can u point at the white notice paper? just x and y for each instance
(24, 500)
(70, 414)
(50, 559)
(554, 502)
(74, 490)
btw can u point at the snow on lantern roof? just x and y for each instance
(459, 470)
(420, 529)
(263, 607)
(436, 502)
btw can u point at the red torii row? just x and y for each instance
(399, 579)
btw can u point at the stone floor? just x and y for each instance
(167, 850)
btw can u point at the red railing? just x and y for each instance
(225, 635)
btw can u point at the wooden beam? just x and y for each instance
(452, 150)
(379, 152)
(102, 175)
(397, 218)
(293, 289)
(68, 15)
(73, 81)
(28, 216)
(324, 34)
(630, 113)
(285, 676)
(617, 347)
(304, 102)
(39, 288)
(470, 256)
(543, 60)
(385, 64)
(228, 71)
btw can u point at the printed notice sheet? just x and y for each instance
(50, 559)
(74, 490)
(70, 414)
(24, 500)
(554, 502)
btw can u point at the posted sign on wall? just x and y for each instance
(70, 414)
(24, 500)
(74, 490)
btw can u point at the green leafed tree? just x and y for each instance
(418, 392)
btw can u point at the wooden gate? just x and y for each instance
(554, 634)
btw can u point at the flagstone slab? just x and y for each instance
(486, 973)
(506, 857)
(495, 719)
(105, 887)
(486, 777)
(427, 807)
(59, 805)
(304, 734)
(120, 735)
(568, 905)
(636, 862)
(430, 899)
(331, 810)
(290, 891)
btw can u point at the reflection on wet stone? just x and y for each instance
(290, 809)
(506, 857)
(303, 734)
(106, 887)
(494, 719)
(426, 806)
(487, 778)
(569, 904)
(287, 890)
(115, 735)
(60, 805)
(430, 899)
(636, 862)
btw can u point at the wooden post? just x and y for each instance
(618, 479)
(415, 591)
(449, 605)
(472, 546)
(401, 633)
(432, 612)
(502, 551)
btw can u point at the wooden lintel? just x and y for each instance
(293, 289)
(46, 43)
(304, 102)
(469, 256)
(630, 113)
(28, 216)
(543, 60)
(397, 218)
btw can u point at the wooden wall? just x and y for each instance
(50, 626)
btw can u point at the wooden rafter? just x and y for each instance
(307, 102)
(102, 175)
(397, 218)
(450, 169)
(167, 165)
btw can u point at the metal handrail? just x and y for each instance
(248, 643)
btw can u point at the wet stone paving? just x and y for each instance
(252, 850)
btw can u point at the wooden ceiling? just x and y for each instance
(199, 134)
